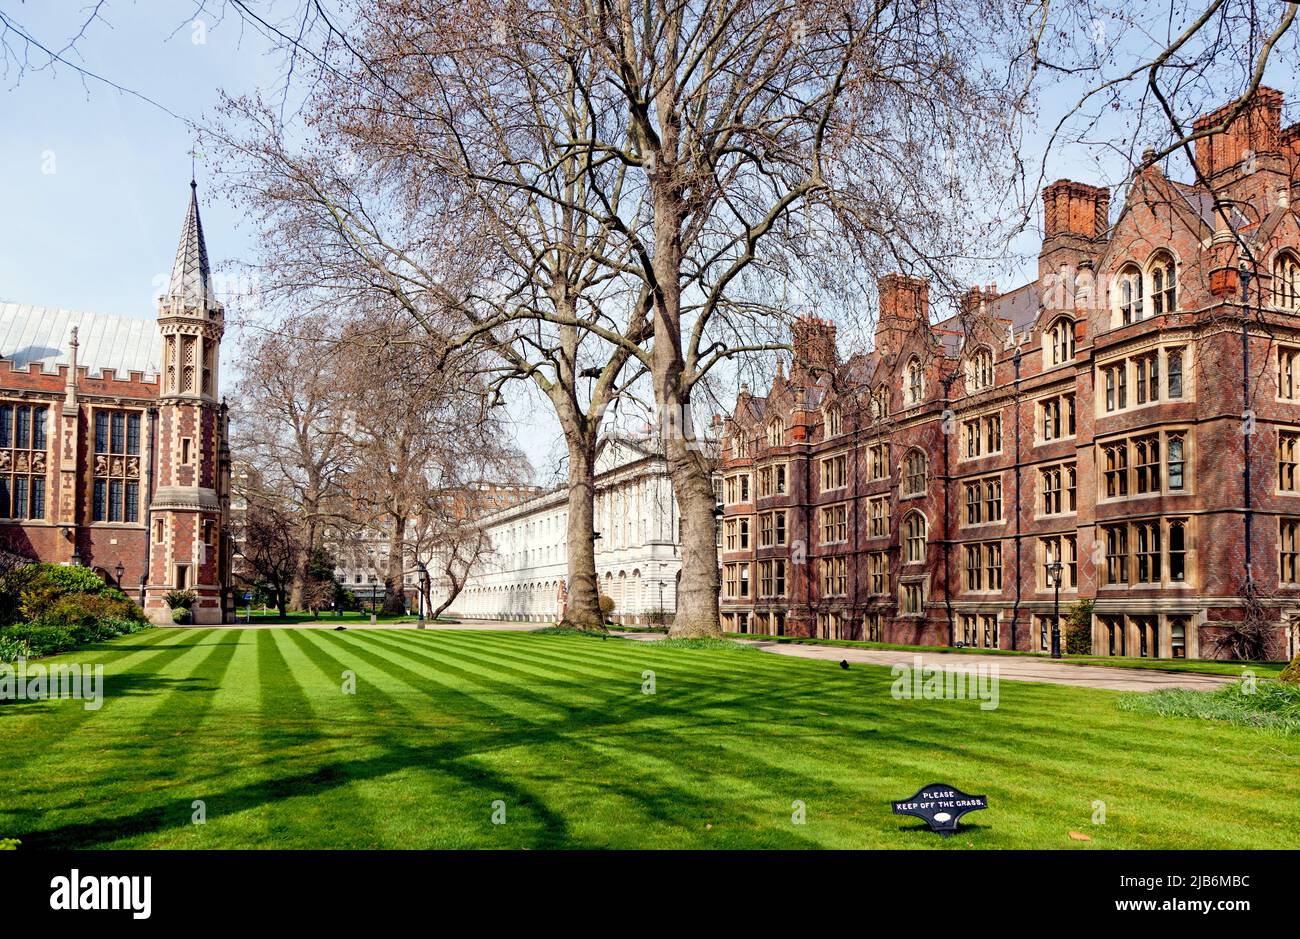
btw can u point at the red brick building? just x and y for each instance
(113, 449)
(1133, 414)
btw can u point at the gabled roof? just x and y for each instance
(41, 334)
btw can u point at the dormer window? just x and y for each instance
(1286, 281)
(1060, 341)
(776, 433)
(1164, 290)
(834, 421)
(915, 382)
(880, 403)
(979, 368)
(1130, 294)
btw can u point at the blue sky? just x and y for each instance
(95, 182)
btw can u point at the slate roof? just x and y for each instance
(41, 334)
(191, 280)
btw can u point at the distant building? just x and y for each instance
(1126, 429)
(113, 439)
(638, 553)
(361, 557)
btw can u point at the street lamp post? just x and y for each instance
(119, 571)
(1055, 568)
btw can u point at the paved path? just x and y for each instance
(1010, 667)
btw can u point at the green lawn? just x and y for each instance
(253, 723)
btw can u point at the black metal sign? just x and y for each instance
(941, 805)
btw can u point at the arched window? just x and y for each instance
(776, 433)
(915, 381)
(914, 528)
(880, 403)
(980, 369)
(914, 472)
(741, 446)
(1060, 341)
(1129, 292)
(834, 421)
(1286, 281)
(1164, 289)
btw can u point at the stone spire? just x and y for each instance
(191, 282)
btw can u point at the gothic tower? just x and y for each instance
(186, 515)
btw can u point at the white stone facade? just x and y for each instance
(638, 554)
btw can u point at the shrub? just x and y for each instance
(1078, 628)
(13, 647)
(181, 599)
(42, 639)
(9, 844)
(1291, 674)
(77, 611)
(606, 604)
(49, 583)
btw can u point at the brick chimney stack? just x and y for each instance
(971, 300)
(1076, 218)
(904, 309)
(814, 346)
(1246, 162)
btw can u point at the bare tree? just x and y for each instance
(417, 433)
(288, 419)
(683, 158)
(266, 542)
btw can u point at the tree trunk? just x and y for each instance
(394, 583)
(298, 586)
(582, 609)
(452, 594)
(697, 591)
(688, 464)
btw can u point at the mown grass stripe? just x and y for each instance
(143, 767)
(61, 719)
(625, 741)
(449, 755)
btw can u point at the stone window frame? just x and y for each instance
(981, 485)
(822, 470)
(1126, 442)
(1284, 273)
(29, 461)
(1069, 562)
(1067, 493)
(828, 522)
(982, 564)
(1116, 377)
(1166, 523)
(976, 426)
(909, 474)
(109, 465)
(1058, 342)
